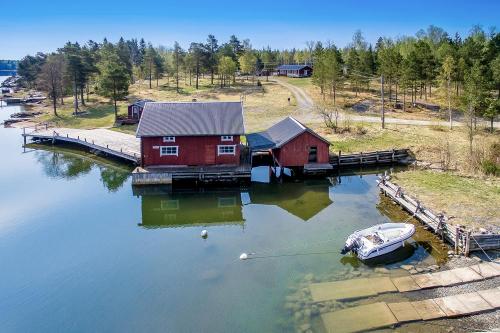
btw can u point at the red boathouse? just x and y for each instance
(191, 133)
(291, 143)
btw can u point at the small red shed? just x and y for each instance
(291, 143)
(135, 109)
(191, 133)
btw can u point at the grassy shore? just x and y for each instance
(472, 201)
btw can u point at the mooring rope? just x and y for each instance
(290, 255)
(486, 254)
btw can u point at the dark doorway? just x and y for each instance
(313, 155)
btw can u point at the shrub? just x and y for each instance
(490, 168)
(361, 130)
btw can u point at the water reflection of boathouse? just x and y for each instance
(162, 209)
(303, 199)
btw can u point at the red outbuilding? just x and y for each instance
(291, 143)
(191, 133)
(135, 109)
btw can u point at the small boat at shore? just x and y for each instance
(378, 240)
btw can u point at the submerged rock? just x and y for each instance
(309, 277)
(407, 267)
(381, 270)
(304, 327)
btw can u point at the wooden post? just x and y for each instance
(340, 152)
(467, 244)
(377, 156)
(392, 158)
(457, 239)
(361, 158)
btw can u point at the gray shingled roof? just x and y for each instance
(191, 118)
(279, 134)
(142, 102)
(292, 67)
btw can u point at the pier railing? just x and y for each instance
(374, 157)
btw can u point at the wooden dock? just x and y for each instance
(381, 314)
(203, 174)
(100, 140)
(343, 161)
(462, 239)
(368, 287)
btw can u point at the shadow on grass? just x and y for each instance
(102, 114)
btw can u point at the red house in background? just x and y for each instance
(291, 143)
(135, 109)
(294, 70)
(191, 133)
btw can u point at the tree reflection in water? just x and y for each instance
(64, 166)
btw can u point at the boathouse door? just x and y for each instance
(210, 154)
(313, 154)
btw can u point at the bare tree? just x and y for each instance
(330, 115)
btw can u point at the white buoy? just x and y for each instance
(204, 234)
(243, 256)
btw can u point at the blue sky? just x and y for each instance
(46, 25)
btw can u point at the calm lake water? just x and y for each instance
(81, 251)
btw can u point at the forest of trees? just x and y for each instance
(466, 68)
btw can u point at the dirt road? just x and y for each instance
(306, 103)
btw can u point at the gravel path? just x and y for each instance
(306, 103)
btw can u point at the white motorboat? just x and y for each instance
(378, 240)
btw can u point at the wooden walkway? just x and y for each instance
(361, 288)
(379, 315)
(162, 175)
(340, 161)
(121, 145)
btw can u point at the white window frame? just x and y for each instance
(226, 202)
(169, 153)
(221, 147)
(169, 139)
(226, 138)
(169, 204)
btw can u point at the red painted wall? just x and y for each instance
(131, 114)
(193, 150)
(296, 152)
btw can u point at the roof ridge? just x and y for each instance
(191, 102)
(298, 123)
